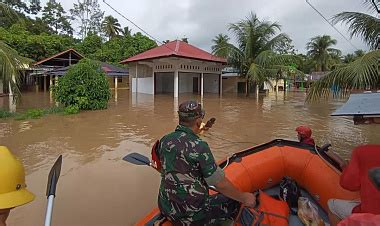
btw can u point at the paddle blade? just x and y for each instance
(53, 177)
(137, 159)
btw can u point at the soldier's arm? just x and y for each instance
(224, 186)
(214, 176)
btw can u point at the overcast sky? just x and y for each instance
(201, 20)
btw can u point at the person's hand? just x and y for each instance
(249, 199)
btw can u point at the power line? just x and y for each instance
(141, 29)
(332, 25)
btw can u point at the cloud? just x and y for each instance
(201, 20)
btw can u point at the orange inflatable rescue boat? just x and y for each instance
(263, 167)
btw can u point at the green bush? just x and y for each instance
(5, 114)
(34, 113)
(84, 85)
(72, 109)
(54, 110)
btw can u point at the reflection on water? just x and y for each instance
(98, 188)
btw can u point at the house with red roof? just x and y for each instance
(175, 67)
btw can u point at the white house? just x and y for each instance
(175, 67)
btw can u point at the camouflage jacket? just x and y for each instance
(186, 160)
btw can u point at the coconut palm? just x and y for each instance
(363, 25)
(111, 27)
(127, 32)
(10, 61)
(221, 45)
(255, 55)
(321, 51)
(364, 72)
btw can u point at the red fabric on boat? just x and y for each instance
(355, 178)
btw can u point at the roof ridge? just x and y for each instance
(176, 46)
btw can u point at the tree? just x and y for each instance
(90, 45)
(84, 86)
(320, 50)
(127, 32)
(111, 27)
(351, 57)
(363, 73)
(10, 61)
(34, 46)
(20, 6)
(53, 14)
(255, 55)
(363, 25)
(121, 48)
(221, 45)
(89, 15)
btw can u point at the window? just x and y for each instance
(119, 79)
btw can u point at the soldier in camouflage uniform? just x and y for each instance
(187, 168)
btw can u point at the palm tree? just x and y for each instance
(255, 55)
(221, 45)
(319, 49)
(363, 25)
(364, 72)
(10, 61)
(111, 27)
(127, 32)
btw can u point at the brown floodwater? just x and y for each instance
(98, 188)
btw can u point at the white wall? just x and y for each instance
(165, 82)
(186, 82)
(144, 85)
(211, 83)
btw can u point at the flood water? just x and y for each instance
(97, 188)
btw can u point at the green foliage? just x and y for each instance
(361, 74)
(35, 47)
(111, 27)
(221, 45)
(321, 51)
(53, 14)
(10, 63)
(255, 55)
(5, 114)
(85, 86)
(351, 57)
(90, 45)
(72, 109)
(363, 25)
(33, 7)
(127, 32)
(34, 113)
(116, 49)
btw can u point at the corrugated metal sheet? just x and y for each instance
(360, 104)
(110, 70)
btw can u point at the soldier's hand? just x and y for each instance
(249, 199)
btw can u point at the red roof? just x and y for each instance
(175, 49)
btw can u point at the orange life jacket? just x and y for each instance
(270, 211)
